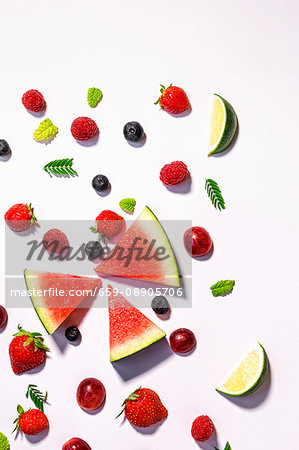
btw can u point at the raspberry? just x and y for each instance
(109, 223)
(33, 100)
(55, 241)
(202, 428)
(84, 128)
(174, 173)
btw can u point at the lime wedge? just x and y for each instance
(223, 125)
(248, 375)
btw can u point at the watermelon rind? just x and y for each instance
(31, 280)
(137, 344)
(147, 332)
(169, 276)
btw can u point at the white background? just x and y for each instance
(244, 50)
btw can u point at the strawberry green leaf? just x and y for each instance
(94, 96)
(128, 204)
(222, 287)
(46, 130)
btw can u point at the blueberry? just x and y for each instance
(72, 334)
(133, 131)
(93, 249)
(4, 147)
(160, 305)
(100, 183)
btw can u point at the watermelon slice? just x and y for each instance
(150, 236)
(51, 306)
(130, 330)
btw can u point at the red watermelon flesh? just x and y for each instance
(130, 330)
(150, 234)
(56, 295)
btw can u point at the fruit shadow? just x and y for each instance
(256, 398)
(231, 145)
(96, 411)
(6, 157)
(210, 444)
(75, 318)
(139, 143)
(183, 114)
(104, 193)
(151, 429)
(38, 114)
(143, 361)
(32, 230)
(47, 141)
(182, 188)
(38, 437)
(90, 142)
(206, 257)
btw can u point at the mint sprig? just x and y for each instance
(215, 194)
(36, 396)
(222, 287)
(61, 167)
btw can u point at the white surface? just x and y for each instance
(245, 51)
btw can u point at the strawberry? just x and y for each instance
(26, 351)
(173, 99)
(109, 224)
(144, 408)
(20, 217)
(31, 422)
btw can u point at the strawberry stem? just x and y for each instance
(132, 397)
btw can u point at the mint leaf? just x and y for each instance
(46, 130)
(222, 288)
(94, 96)
(4, 444)
(128, 204)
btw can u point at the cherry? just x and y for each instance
(197, 241)
(76, 444)
(91, 394)
(182, 340)
(3, 316)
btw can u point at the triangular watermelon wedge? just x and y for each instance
(150, 236)
(130, 330)
(46, 289)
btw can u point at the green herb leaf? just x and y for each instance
(36, 396)
(46, 130)
(227, 447)
(4, 444)
(93, 229)
(60, 167)
(222, 287)
(214, 193)
(128, 204)
(94, 96)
